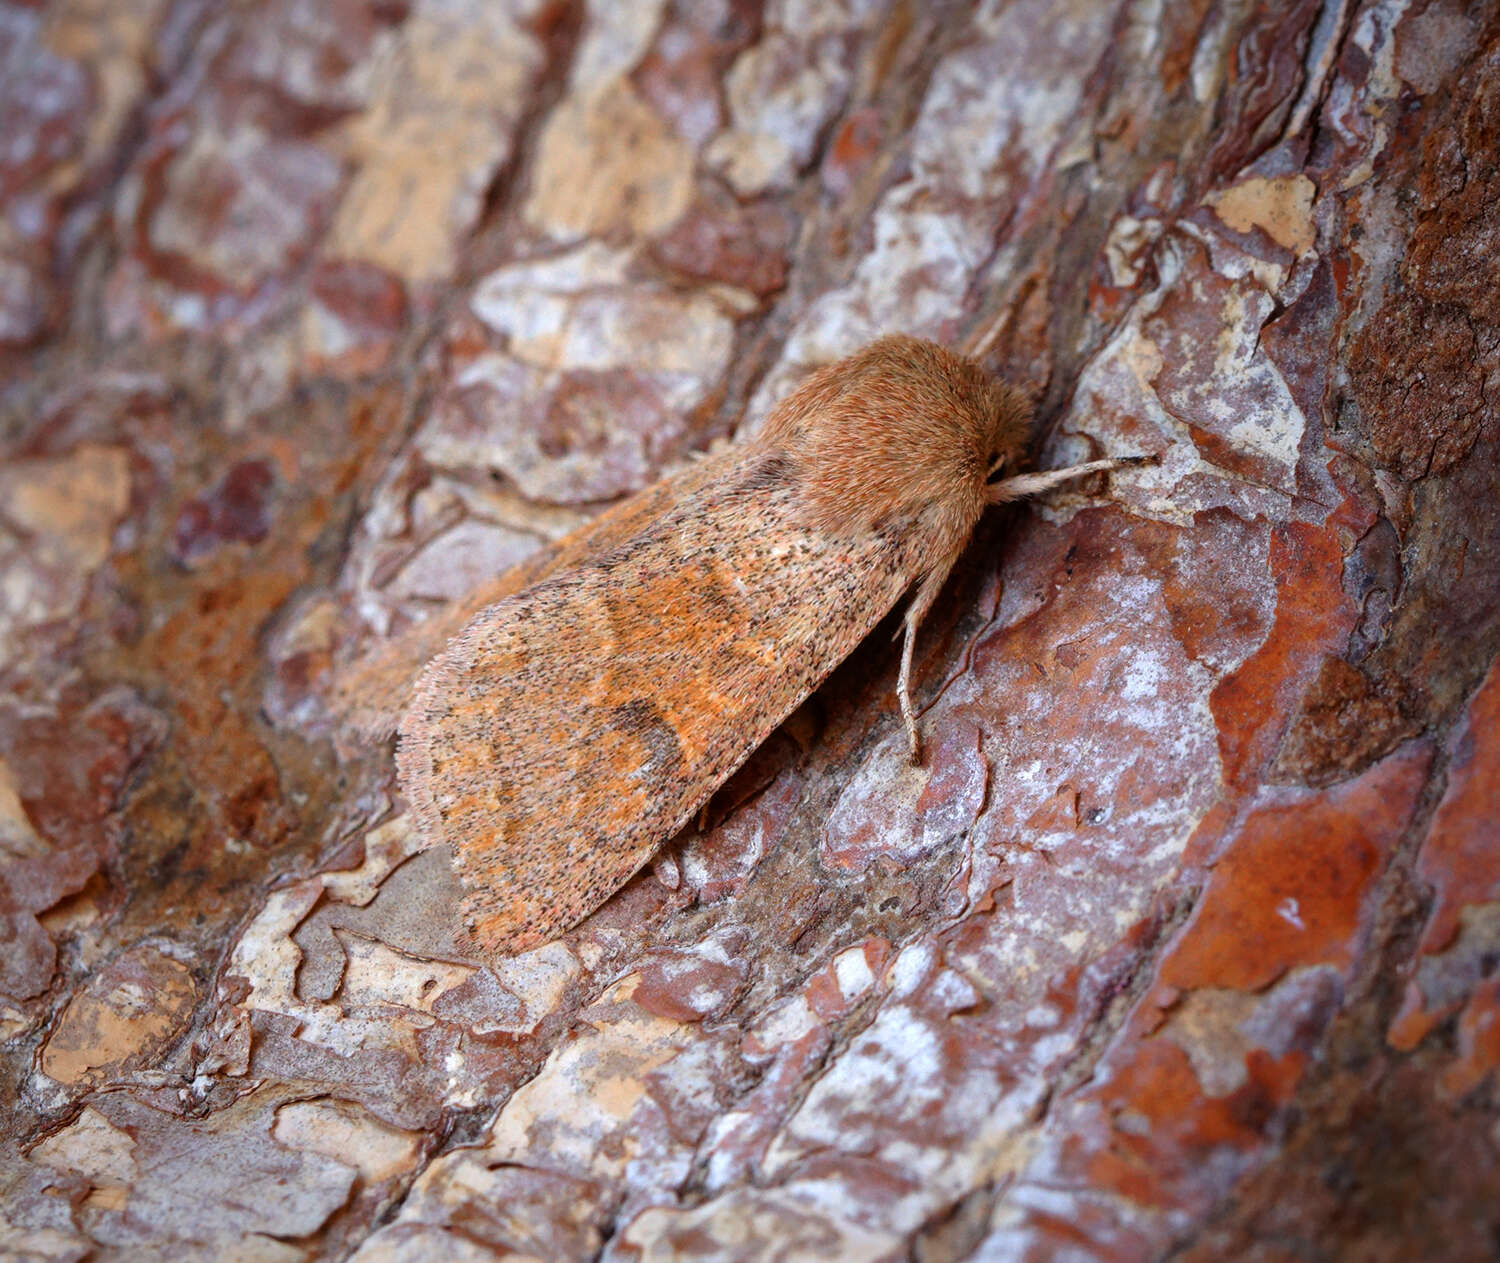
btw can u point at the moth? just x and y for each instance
(571, 728)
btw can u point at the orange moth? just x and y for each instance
(572, 727)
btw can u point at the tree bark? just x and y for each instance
(317, 317)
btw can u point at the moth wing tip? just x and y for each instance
(490, 932)
(415, 776)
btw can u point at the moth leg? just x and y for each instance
(915, 612)
(1023, 485)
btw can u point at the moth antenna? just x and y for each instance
(1220, 472)
(981, 340)
(1023, 485)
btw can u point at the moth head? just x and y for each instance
(903, 429)
(1008, 430)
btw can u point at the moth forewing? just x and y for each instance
(572, 728)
